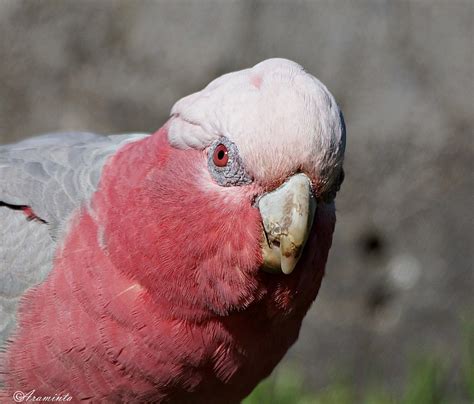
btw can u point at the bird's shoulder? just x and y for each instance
(42, 181)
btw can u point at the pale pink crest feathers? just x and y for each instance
(280, 117)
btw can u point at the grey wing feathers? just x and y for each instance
(26, 255)
(53, 174)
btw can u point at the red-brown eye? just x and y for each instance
(221, 156)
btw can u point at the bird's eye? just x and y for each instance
(220, 156)
(225, 165)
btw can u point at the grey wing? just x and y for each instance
(51, 174)
(26, 255)
(55, 173)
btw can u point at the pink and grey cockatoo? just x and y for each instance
(172, 267)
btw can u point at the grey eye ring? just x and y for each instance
(225, 165)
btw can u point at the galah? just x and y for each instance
(176, 266)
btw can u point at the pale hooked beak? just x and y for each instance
(287, 216)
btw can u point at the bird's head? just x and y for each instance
(237, 192)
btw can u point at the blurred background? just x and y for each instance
(394, 318)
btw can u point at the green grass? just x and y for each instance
(426, 384)
(468, 358)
